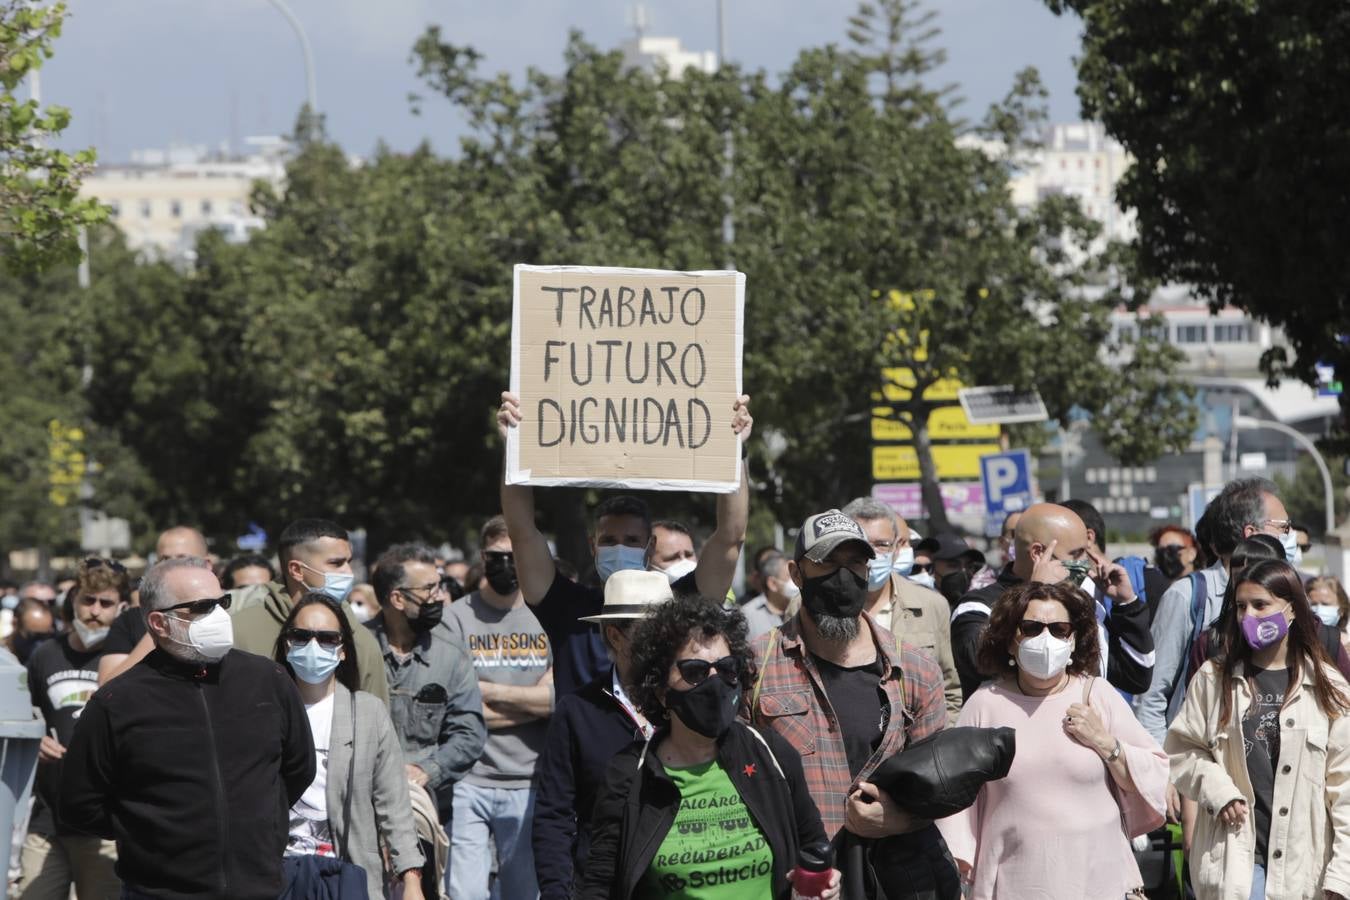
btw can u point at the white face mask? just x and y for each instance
(1292, 551)
(790, 589)
(618, 557)
(1044, 656)
(679, 569)
(90, 635)
(903, 563)
(925, 579)
(1330, 615)
(362, 612)
(878, 571)
(207, 639)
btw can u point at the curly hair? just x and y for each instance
(993, 657)
(96, 575)
(657, 639)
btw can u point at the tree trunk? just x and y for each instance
(928, 479)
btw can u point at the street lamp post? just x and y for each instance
(1247, 423)
(311, 89)
(729, 147)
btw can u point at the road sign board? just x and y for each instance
(1001, 405)
(946, 423)
(960, 498)
(1006, 478)
(900, 462)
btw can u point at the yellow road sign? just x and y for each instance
(900, 462)
(946, 423)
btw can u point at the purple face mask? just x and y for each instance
(1264, 631)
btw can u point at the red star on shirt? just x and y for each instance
(750, 769)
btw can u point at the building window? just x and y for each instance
(145, 209)
(1232, 332)
(206, 207)
(1126, 334)
(176, 209)
(1190, 334)
(115, 207)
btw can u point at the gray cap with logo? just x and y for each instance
(823, 532)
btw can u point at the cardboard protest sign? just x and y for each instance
(626, 378)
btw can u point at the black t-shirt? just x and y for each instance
(578, 651)
(61, 680)
(126, 631)
(1261, 737)
(859, 704)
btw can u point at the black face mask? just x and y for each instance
(428, 617)
(709, 708)
(500, 570)
(954, 586)
(1169, 561)
(842, 594)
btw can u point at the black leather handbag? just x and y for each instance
(943, 773)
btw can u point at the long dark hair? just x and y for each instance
(347, 673)
(1282, 581)
(1252, 550)
(992, 656)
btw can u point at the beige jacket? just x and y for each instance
(1309, 847)
(922, 618)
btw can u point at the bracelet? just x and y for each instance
(1115, 754)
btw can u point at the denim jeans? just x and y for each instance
(1259, 883)
(504, 814)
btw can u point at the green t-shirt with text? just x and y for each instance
(714, 850)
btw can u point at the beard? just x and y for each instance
(835, 629)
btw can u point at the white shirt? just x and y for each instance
(309, 829)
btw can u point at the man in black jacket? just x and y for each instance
(1053, 545)
(191, 759)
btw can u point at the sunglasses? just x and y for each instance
(94, 562)
(101, 601)
(298, 637)
(199, 607)
(1031, 628)
(696, 671)
(920, 568)
(1304, 548)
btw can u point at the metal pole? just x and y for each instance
(1248, 423)
(1063, 464)
(729, 150)
(311, 89)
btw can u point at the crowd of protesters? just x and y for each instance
(495, 727)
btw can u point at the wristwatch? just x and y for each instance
(1115, 754)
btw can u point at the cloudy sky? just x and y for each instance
(146, 73)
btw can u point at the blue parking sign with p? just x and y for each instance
(1007, 481)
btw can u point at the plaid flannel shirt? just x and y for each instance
(792, 701)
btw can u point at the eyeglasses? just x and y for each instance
(1304, 548)
(199, 607)
(431, 590)
(882, 546)
(696, 671)
(499, 554)
(298, 637)
(1031, 628)
(920, 568)
(90, 600)
(1281, 525)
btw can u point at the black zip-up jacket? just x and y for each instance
(1129, 641)
(637, 807)
(192, 770)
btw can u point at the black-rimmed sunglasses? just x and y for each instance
(1031, 628)
(696, 671)
(301, 636)
(199, 607)
(920, 568)
(94, 562)
(91, 600)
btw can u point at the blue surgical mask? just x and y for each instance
(1293, 554)
(313, 663)
(1330, 615)
(617, 558)
(878, 571)
(903, 563)
(335, 584)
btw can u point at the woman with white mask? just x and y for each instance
(358, 801)
(1086, 773)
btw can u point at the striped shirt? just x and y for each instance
(792, 701)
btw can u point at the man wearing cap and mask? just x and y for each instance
(588, 728)
(833, 683)
(914, 614)
(954, 562)
(622, 539)
(191, 759)
(315, 555)
(1051, 545)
